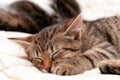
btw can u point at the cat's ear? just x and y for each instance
(73, 27)
(25, 42)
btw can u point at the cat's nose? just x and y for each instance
(48, 69)
(47, 65)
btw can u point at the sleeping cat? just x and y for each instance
(75, 46)
(27, 16)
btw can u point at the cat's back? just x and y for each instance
(108, 25)
(109, 28)
(113, 23)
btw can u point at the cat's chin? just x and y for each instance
(44, 71)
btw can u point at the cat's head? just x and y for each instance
(53, 44)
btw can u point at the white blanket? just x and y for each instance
(12, 67)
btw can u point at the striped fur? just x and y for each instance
(75, 46)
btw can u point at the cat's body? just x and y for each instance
(24, 16)
(74, 46)
(27, 16)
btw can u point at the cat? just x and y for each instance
(27, 16)
(75, 46)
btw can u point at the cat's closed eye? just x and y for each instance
(56, 54)
(37, 61)
(70, 49)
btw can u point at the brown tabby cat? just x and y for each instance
(26, 16)
(75, 46)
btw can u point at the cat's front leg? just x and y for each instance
(71, 66)
(86, 61)
(65, 69)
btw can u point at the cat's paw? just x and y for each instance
(110, 67)
(65, 69)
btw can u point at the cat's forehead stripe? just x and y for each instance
(43, 38)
